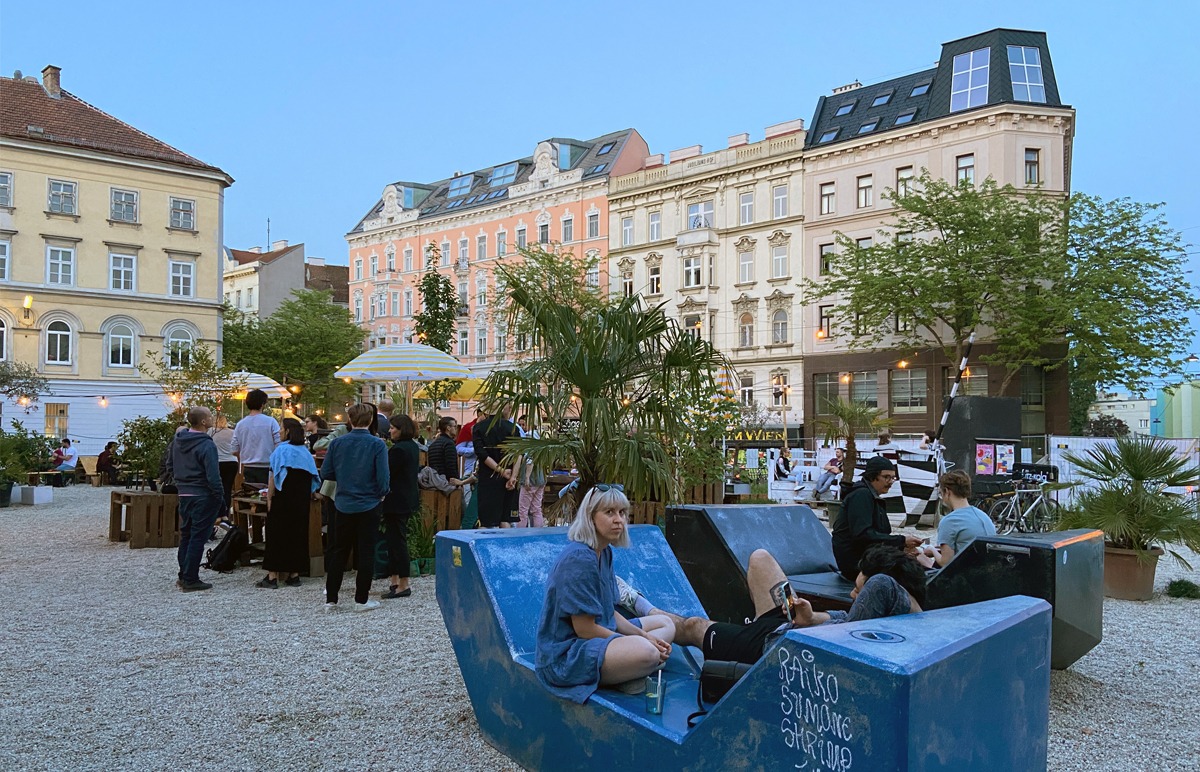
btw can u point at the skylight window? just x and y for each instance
(921, 89)
(970, 85)
(882, 100)
(597, 169)
(503, 175)
(904, 118)
(454, 204)
(1025, 67)
(460, 186)
(606, 148)
(868, 126)
(471, 200)
(431, 209)
(844, 109)
(828, 136)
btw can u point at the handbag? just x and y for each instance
(329, 489)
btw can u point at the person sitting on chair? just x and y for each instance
(65, 457)
(783, 465)
(830, 472)
(864, 520)
(885, 446)
(106, 465)
(962, 526)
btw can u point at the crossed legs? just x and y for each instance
(630, 656)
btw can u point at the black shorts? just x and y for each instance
(740, 643)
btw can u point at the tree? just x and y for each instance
(843, 421)
(21, 381)
(192, 378)
(1081, 396)
(436, 322)
(1105, 426)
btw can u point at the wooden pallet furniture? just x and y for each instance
(144, 519)
(250, 514)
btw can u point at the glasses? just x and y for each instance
(602, 487)
(887, 477)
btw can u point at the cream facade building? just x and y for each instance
(110, 255)
(256, 282)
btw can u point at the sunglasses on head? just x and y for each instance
(602, 487)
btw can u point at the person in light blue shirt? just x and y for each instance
(964, 524)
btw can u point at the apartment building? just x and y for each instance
(256, 282)
(110, 254)
(474, 220)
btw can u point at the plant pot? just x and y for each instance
(414, 568)
(37, 494)
(1127, 578)
(833, 510)
(6, 490)
(426, 566)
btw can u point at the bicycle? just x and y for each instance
(1009, 514)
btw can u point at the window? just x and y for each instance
(408, 258)
(970, 85)
(3, 341)
(120, 346)
(501, 243)
(746, 208)
(593, 225)
(395, 308)
(780, 390)
(381, 304)
(503, 175)
(908, 390)
(481, 291)
(179, 349)
(56, 419)
(501, 342)
(181, 278)
(905, 117)
(691, 271)
(408, 302)
(481, 247)
(60, 265)
(58, 344)
(745, 267)
(866, 191)
(1033, 386)
(606, 148)
(828, 136)
(864, 387)
(459, 186)
(779, 262)
(779, 201)
(921, 89)
(904, 180)
(120, 269)
(522, 341)
(627, 285)
(464, 340)
(655, 276)
(1025, 67)
(445, 254)
(700, 214)
(1033, 173)
(6, 197)
(464, 296)
(904, 323)
(124, 206)
(464, 251)
(825, 392)
(481, 340)
(391, 260)
(747, 390)
(592, 278)
(882, 100)
(358, 308)
(965, 165)
(845, 109)
(826, 255)
(62, 197)
(864, 243)
(655, 226)
(691, 325)
(358, 265)
(974, 381)
(250, 297)
(5, 248)
(183, 214)
(544, 233)
(238, 295)
(869, 126)
(626, 231)
(824, 322)
(521, 238)
(779, 327)
(746, 331)
(828, 197)
(568, 229)
(374, 265)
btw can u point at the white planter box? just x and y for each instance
(16, 493)
(40, 494)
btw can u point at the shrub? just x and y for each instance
(1182, 588)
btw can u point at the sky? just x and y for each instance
(313, 107)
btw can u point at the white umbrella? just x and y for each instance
(248, 381)
(403, 362)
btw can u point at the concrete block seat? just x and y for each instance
(964, 688)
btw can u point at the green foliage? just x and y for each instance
(142, 442)
(1081, 396)
(20, 379)
(197, 381)
(1105, 426)
(843, 421)
(23, 451)
(1130, 503)
(1182, 588)
(420, 536)
(437, 320)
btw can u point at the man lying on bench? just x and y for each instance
(889, 583)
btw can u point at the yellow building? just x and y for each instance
(110, 254)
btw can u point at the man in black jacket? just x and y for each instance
(193, 463)
(864, 521)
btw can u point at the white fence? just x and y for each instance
(1058, 447)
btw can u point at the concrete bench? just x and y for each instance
(957, 689)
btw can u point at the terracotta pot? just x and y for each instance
(1126, 577)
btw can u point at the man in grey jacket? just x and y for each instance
(193, 462)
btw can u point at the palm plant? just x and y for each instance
(1130, 502)
(613, 379)
(842, 421)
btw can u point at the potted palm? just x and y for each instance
(1130, 503)
(841, 421)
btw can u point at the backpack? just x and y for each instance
(223, 558)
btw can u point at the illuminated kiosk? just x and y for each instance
(966, 688)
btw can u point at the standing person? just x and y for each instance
(404, 497)
(385, 410)
(106, 464)
(864, 521)
(533, 485)
(442, 456)
(496, 482)
(254, 438)
(227, 462)
(358, 463)
(465, 446)
(964, 524)
(315, 428)
(193, 465)
(290, 488)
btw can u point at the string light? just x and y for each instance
(903, 363)
(104, 402)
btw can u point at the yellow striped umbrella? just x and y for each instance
(403, 362)
(248, 381)
(466, 392)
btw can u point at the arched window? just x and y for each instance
(779, 326)
(58, 343)
(179, 349)
(3, 341)
(746, 328)
(120, 346)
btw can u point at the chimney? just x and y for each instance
(50, 80)
(278, 245)
(255, 250)
(683, 153)
(737, 140)
(653, 161)
(315, 261)
(847, 87)
(787, 127)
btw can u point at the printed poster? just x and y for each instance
(1006, 456)
(985, 458)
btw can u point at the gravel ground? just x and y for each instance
(105, 665)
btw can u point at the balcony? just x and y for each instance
(700, 234)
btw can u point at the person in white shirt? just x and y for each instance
(65, 457)
(254, 439)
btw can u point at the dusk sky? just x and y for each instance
(314, 107)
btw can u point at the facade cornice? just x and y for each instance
(117, 160)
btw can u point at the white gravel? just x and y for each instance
(104, 664)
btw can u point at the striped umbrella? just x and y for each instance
(248, 381)
(403, 362)
(468, 391)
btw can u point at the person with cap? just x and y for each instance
(864, 521)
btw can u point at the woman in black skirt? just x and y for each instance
(290, 488)
(497, 488)
(404, 462)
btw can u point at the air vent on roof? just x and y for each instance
(847, 87)
(17, 74)
(35, 130)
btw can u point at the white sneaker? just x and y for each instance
(370, 605)
(627, 596)
(330, 608)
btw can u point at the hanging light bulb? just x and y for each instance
(104, 402)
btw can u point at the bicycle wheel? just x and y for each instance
(1044, 517)
(1003, 515)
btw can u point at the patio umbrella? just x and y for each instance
(252, 381)
(466, 392)
(403, 362)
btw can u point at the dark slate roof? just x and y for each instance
(936, 102)
(481, 194)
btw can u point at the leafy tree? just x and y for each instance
(21, 381)
(843, 422)
(1081, 396)
(436, 322)
(196, 379)
(142, 442)
(1105, 426)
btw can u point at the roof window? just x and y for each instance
(921, 89)
(597, 169)
(845, 109)
(905, 117)
(503, 175)
(868, 126)
(606, 148)
(460, 186)
(882, 99)
(828, 136)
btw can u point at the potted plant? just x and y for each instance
(420, 542)
(12, 468)
(841, 421)
(1131, 504)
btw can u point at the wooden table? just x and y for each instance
(52, 477)
(250, 514)
(144, 519)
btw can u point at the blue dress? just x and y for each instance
(567, 665)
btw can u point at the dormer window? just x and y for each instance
(460, 186)
(1025, 67)
(970, 85)
(503, 175)
(606, 148)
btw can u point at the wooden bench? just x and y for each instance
(442, 511)
(250, 514)
(51, 477)
(144, 519)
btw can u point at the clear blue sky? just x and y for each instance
(314, 107)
